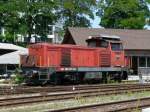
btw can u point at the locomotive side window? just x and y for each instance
(116, 46)
(103, 44)
(92, 44)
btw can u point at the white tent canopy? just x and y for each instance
(10, 46)
(13, 57)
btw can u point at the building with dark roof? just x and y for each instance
(136, 43)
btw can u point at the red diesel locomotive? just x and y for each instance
(102, 60)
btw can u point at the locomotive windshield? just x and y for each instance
(116, 46)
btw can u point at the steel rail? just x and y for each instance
(66, 95)
(62, 88)
(119, 106)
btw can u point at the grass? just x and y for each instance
(77, 101)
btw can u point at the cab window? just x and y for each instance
(97, 43)
(116, 46)
(92, 44)
(104, 44)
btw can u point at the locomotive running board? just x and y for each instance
(90, 69)
(99, 69)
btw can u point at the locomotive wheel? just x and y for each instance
(59, 79)
(124, 75)
(117, 77)
(56, 79)
(79, 78)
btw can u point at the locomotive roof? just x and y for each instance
(115, 37)
(105, 37)
(59, 45)
(133, 39)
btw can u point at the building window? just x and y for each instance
(142, 62)
(148, 61)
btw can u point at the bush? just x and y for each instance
(17, 77)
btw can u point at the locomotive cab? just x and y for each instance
(117, 54)
(111, 52)
(105, 41)
(113, 44)
(97, 42)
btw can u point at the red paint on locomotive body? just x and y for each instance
(103, 57)
(50, 55)
(117, 55)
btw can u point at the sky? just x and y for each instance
(95, 22)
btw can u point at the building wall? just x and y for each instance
(68, 39)
(140, 61)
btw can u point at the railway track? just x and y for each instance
(120, 106)
(57, 96)
(27, 90)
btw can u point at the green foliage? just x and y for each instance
(9, 37)
(75, 12)
(36, 15)
(1, 38)
(17, 77)
(33, 16)
(148, 1)
(128, 14)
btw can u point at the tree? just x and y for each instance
(128, 14)
(29, 17)
(8, 19)
(41, 13)
(26, 16)
(37, 15)
(75, 12)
